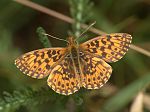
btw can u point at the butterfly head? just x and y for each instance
(72, 41)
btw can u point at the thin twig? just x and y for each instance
(45, 10)
(55, 14)
(141, 50)
(70, 20)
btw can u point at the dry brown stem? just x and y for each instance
(70, 20)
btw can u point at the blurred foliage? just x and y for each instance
(43, 38)
(18, 24)
(79, 14)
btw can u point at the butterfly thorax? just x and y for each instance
(74, 53)
(72, 42)
(72, 47)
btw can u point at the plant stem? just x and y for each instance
(71, 21)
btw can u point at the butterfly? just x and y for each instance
(77, 65)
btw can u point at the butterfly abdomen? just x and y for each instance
(75, 59)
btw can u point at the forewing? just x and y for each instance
(95, 71)
(64, 79)
(110, 47)
(38, 63)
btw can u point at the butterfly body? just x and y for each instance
(74, 57)
(77, 65)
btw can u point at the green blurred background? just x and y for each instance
(130, 77)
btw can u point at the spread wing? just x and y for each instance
(95, 71)
(64, 78)
(39, 63)
(109, 47)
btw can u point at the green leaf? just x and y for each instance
(122, 98)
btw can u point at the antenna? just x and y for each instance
(55, 37)
(86, 29)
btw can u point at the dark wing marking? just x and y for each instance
(110, 47)
(96, 71)
(38, 63)
(63, 79)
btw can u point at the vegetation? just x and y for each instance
(21, 31)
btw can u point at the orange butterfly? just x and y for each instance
(77, 65)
